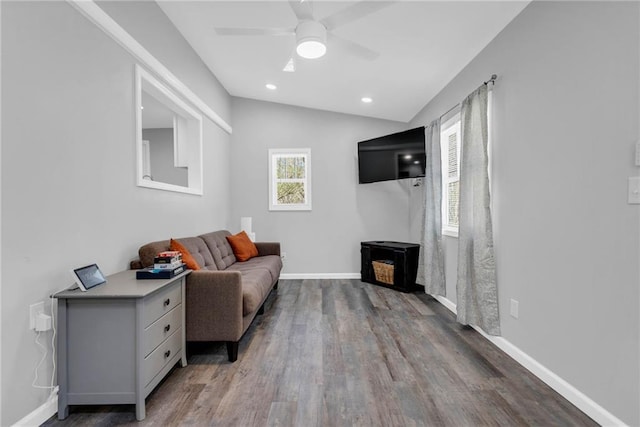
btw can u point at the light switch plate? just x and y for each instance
(634, 190)
(514, 309)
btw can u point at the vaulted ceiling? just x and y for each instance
(422, 46)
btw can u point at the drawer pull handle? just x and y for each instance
(167, 302)
(167, 353)
(166, 328)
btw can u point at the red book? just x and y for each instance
(169, 254)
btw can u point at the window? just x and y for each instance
(290, 179)
(450, 149)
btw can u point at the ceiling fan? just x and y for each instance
(312, 35)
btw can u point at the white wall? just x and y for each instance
(567, 243)
(326, 239)
(68, 167)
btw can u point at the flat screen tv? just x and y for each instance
(396, 156)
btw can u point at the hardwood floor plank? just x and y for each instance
(388, 408)
(375, 297)
(347, 353)
(360, 402)
(309, 405)
(282, 414)
(335, 400)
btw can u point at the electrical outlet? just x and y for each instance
(34, 311)
(43, 322)
(514, 308)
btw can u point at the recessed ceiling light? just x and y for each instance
(271, 86)
(407, 156)
(366, 100)
(417, 162)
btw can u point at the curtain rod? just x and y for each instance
(449, 110)
(491, 80)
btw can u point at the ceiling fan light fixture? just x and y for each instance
(311, 49)
(311, 38)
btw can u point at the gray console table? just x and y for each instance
(117, 341)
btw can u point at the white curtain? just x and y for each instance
(477, 291)
(431, 261)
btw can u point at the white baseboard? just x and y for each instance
(320, 276)
(566, 390)
(447, 303)
(42, 413)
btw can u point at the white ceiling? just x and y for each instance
(422, 46)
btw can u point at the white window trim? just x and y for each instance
(274, 154)
(448, 128)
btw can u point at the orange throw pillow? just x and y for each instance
(243, 247)
(187, 258)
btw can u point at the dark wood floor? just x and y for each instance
(347, 353)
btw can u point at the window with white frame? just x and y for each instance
(290, 179)
(450, 149)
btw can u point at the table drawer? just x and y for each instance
(160, 303)
(159, 357)
(161, 329)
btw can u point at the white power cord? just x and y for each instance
(44, 356)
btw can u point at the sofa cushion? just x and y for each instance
(243, 248)
(220, 248)
(187, 258)
(199, 251)
(271, 263)
(256, 284)
(149, 251)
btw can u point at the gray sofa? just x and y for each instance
(225, 295)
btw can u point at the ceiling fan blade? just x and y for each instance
(303, 9)
(353, 13)
(255, 31)
(354, 48)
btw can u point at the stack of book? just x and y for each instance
(166, 265)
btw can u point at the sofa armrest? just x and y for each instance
(268, 248)
(214, 306)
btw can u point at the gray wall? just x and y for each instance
(148, 24)
(162, 159)
(326, 239)
(68, 165)
(567, 243)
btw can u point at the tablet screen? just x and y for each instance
(89, 276)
